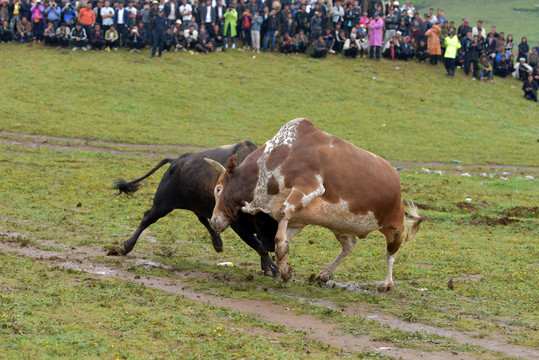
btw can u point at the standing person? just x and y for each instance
(107, 16)
(132, 14)
(158, 32)
(337, 16)
(471, 54)
(523, 49)
(145, 19)
(530, 87)
(97, 12)
(53, 13)
(272, 32)
(186, 12)
(172, 12)
(231, 22)
(452, 44)
(121, 19)
(38, 19)
(463, 29)
(246, 21)
(509, 46)
(375, 35)
(87, 18)
(16, 15)
(479, 30)
(433, 43)
(255, 31)
(207, 15)
(391, 26)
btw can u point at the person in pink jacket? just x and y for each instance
(38, 21)
(376, 29)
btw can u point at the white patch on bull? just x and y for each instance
(262, 201)
(225, 147)
(330, 139)
(390, 260)
(318, 192)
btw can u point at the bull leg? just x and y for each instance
(394, 240)
(149, 218)
(282, 243)
(347, 242)
(268, 266)
(215, 238)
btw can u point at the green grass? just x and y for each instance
(516, 17)
(192, 100)
(224, 98)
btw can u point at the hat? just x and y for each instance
(466, 20)
(155, 2)
(161, 10)
(352, 36)
(396, 3)
(522, 59)
(399, 32)
(178, 21)
(452, 32)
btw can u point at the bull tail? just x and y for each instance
(128, 188)
(412, 222)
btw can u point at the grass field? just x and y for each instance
(56, 194)
(516, 17)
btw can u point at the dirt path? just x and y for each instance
(82, 258)
(53, 142)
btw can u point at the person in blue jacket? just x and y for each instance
(159, 26)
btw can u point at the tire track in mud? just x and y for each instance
(81, 258)
(36, 141)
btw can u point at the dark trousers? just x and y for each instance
(50, 40)
(246, 35)
(63, 42)
(136, 44)
(450, 66)
(97, 44)
(122, 33)
(37, 30)
(5, 36)
(377, 52)
(79, 43)
(422, 56)
(531, 95)
(434, 59)
(112, 44)
(352, 52)
(158, 41)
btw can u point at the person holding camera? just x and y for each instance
(50, 35)
(231, 22)
(38, 21)
(63, 35)
(52, 13)
(135, 41)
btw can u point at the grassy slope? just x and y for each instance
(516, 17)
(218, 99)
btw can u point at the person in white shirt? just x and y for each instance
(338, 13)
(186, 12)
(107, 14)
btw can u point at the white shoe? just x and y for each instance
(115, 49)
(75, 48)
(332, 51)
(233, 46)
(84, 48)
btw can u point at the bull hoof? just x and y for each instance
(114, 251)
(322, 278)
(269, 268)
(218, 247)
(285, 272)
(386, 288)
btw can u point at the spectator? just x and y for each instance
(107, 16)
(415, 26)
(255, 30)
(442, 19)
(452, 44)
(302, 20)
(97, 38)
(491, 45)
(288, 44)
(180, 43)
(135, 41)
(131, 16)
(316, 25)
(363, 45)
(530, 87)
(172, 12)
(218, 39)
(6, 33)
(145, 19)
(535, 73)
(87, 18)
(479, 31)
(509, 46)
(421, 51)
(501, 67)
(523, 49)
(230, 25)
(38, 21)
(15, 15)
(485, 69)
(393, 48)
(69, 15)
(79, 39)
(186, 12)
(471, 56)
(500, 48)
(340, 39)
(351, 47)
(112, 38)
(463, 29)
(533, 59)
(320, 49)
(288, 26)
(121, 19)
(301, 41)
(272, 32)
(522, 70)
(191, 37)
(405, 49)
(169, 39)
(24, 30)
(97, 12)
(53, 13)
(26, 9)
(158, 32)
(433, 44)
(205, 44)
(50, 35)
(375, 35)
(207, 15)
(63, 35)
(392, 22)
(337, 16)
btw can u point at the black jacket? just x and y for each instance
(159, 25)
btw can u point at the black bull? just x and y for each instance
(188, 184)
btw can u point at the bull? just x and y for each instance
(306, 176)
(188, 184)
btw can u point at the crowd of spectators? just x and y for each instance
(353, 28)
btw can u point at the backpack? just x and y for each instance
(246, 22)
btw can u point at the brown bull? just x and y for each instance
(305, 176)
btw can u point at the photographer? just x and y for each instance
(38, 21)
(135, 41)
(231, 22)
(69, 15)
(53, 13)
(50, 35)
(63, 35)
(351, 47)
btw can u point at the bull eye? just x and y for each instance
(218, 189)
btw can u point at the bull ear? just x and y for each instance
(231, 164)
(216, 165)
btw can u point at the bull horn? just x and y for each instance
(216, 165)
